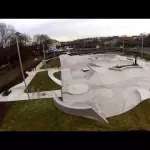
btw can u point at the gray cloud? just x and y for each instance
(69, 29)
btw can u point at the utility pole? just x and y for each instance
(44, 56)
(142, 46)
(21, 64)
(123, 44)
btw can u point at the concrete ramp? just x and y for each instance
(144, 93)
(87, 112)
(66, 74)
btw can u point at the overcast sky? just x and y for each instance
(70, 29)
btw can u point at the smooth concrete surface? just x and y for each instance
(111, 92)
(144, 93)
(78, 89)
(86, 112)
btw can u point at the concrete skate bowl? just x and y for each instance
(93, 58)
(108, 77)
(144, 93)
(66, 74)
(101, 63)
(106, 56)
(96, 68)
(113, 102)
(79, 74)
(86, 112)
(121, 63)
(76, 89)
(102, 56)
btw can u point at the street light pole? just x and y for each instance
(142, 46)
(123, 44)
(54, 53)
(44, 57)
(21, 65)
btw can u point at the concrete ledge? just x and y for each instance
(127, 67)
(51, 58)
(144, 94)
(51, 75)
(86, 112)
(39, 66)
(130, 59)
(93, 65)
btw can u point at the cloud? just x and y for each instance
(70, 29)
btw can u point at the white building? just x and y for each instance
(29, 43)
(54, 45)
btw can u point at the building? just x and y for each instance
(115, 41)
(29, 43)
(54, 45)
(127, 38)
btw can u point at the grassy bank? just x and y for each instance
(58, 75)
(11, 77)
(53, 63)
(42, 115)
(42, 82)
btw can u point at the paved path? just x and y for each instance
(18, 93)
(51, 75)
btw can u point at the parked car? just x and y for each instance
(30, 70)
(6, 93)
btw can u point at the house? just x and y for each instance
(127, 38)
(29, 43)
(54, 45)
(115, 41)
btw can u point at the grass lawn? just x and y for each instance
(11, 77)
(42, 82)
(42, 115)
(54, 63)
(58, 75)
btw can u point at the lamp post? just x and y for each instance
(142, 45)
(44, 56)
(123, 43)
(16, 36)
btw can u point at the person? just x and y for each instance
(135, 56)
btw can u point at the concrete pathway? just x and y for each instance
(18, 94)
(51, 75)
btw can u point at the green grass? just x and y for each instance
(42, 115)
(58, 75)
(42, 82)
(54, 63)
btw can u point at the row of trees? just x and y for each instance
(7, 37)
(106, 42)
(83, 43)
(8, 47)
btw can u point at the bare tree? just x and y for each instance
(6, 32)
(42, 38)
(22, 38)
